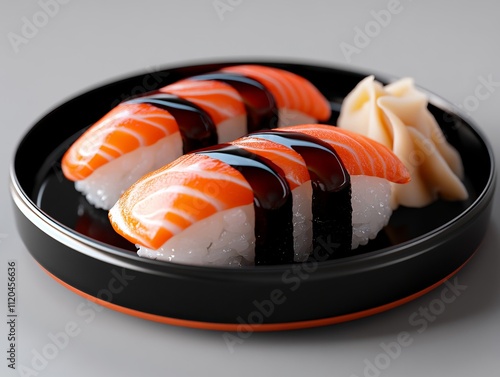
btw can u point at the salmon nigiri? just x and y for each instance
(118, 149)
(360, 154)
(297, 99)
(146, 132)
(233, 204)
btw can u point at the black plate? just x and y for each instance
(75, 244)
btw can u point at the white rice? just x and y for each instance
(106, 184)
(224, 239)
(371, 208)
(302, 222)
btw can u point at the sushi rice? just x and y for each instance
(227, 238)
(103, 187)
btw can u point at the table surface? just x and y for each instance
(51, 50)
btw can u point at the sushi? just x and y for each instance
(297, 100)
(143, 133)
(277, 196)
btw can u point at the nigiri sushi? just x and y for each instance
(272, 197)
(143, 133)
(296, 100)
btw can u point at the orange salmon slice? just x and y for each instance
(165, 202)
(220, 100)
(359, 154)
(290, 90)
(125, 128)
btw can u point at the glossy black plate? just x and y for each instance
(76, 245)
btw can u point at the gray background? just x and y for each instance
(447, 46)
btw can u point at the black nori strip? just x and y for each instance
(195, 125)
(331, 201)
(272, 202)
(260, 104)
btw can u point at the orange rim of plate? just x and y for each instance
(265, 327)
